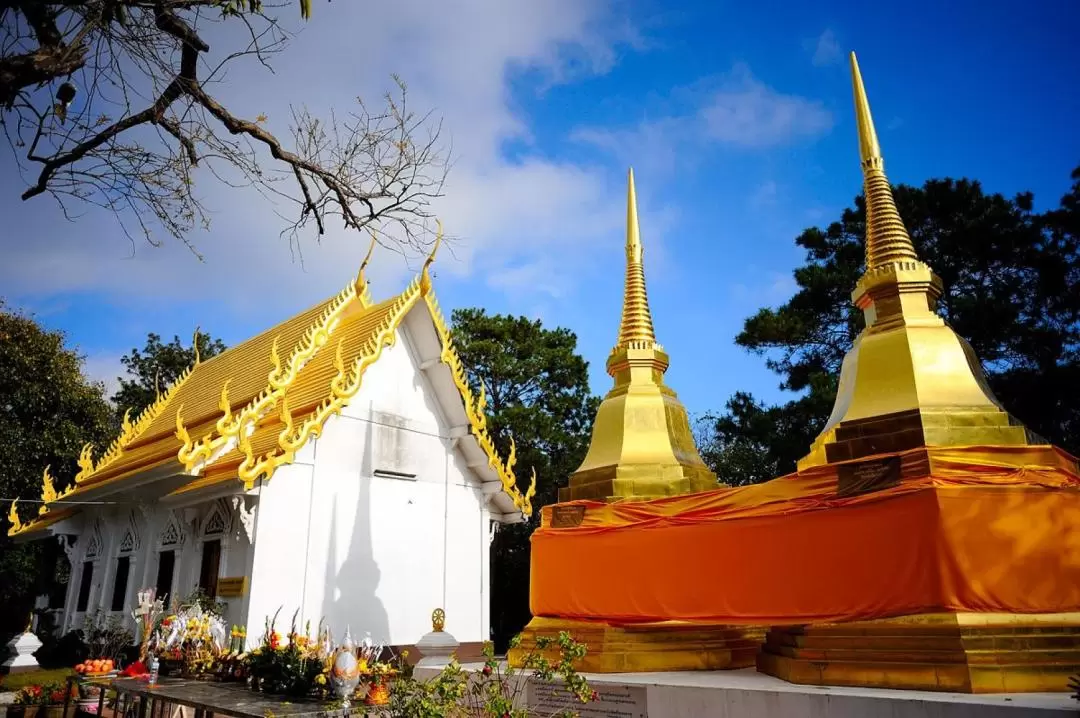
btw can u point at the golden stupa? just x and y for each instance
(927, 541)
(641, 449)
(641, 444)
(909, 380)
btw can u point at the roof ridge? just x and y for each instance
(229, 426)
(129, 431)
(342, 388)
(474, 410)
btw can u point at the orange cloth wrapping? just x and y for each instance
(985, 530)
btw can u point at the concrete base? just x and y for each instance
(745, 693)
(22, 649)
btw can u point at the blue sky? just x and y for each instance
(736, 116)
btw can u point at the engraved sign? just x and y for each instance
(613, 701)
(563, 517)
(867, 476)
(232, 587)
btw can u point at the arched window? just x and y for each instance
(91, 555)
(170, 541)
(129, 544)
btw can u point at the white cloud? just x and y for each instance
(459, 59)
(732, 110)
(749, 113)
(824, 49)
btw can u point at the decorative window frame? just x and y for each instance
(217, 523)
(129, 537)
(128, 543)
(95, 543)
(93, 550)
(173, 535)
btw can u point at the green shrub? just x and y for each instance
(495, 691)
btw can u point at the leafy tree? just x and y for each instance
(156, 367)
(538, 392)
(48, 411)
(112, 102)
(1012, 289)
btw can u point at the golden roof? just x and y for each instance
(243, 413)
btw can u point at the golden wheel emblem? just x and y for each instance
(438, 620)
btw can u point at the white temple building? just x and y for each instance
(337, 465)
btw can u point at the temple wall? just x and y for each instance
(379, 525)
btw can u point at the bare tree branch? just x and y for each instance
(139, 61)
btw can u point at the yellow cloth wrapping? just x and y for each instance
(985, 529)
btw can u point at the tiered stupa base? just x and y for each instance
(957, 652)
(646, 647)
(989, 532)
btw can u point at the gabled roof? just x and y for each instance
(242, 414)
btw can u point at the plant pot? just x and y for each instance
(52, 711)
(378, 692)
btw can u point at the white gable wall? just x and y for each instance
(338, 539)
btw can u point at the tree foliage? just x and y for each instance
(1012, 289)
(48, 410)
(156, 367)
(115, 103)
(538, 392)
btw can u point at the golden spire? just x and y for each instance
(887, 239)
(636, 328)
(908, 380)
(195, 345)
(641, 445)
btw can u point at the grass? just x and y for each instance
(15, 681)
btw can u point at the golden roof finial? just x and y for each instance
(887, 239)
(438, 620)
(425, 275)
(361, 283)
(48, 491)
(13, 517)
(195, 344)
(636, 328)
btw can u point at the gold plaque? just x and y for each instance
(232, 587)
(864, 477)
(565, 517)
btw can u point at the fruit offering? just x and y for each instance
(96, 667)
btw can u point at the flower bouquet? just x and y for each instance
(296, 665)
(147, 614)
(194, 637)
(375, 672)
(231, 665)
